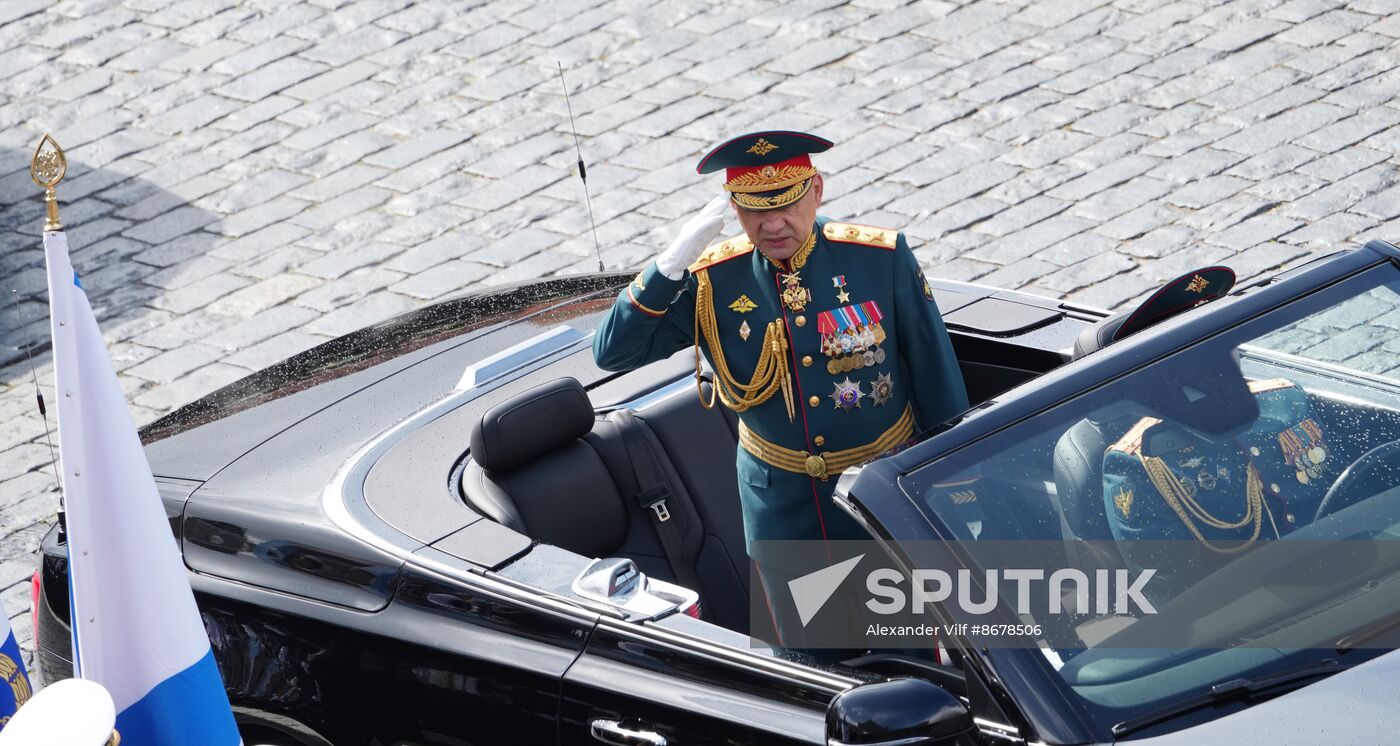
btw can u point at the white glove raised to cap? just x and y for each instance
(695, 235)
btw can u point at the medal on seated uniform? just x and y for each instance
(1303, 449)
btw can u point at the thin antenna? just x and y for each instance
(582, 173)
(43, 411)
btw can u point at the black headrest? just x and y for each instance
(1184, 293)
(529, 425)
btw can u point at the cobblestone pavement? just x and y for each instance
(250, 177)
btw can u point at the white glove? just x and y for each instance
(695, 235)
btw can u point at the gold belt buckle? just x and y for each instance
(816, 466)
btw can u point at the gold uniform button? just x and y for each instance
(806, 360)
(1254, 450)
(800, 320)
(819, 440)
(1275, 488)
(1290, 517)
(814, 401)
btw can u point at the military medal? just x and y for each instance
(1206, 480)
(744, 331)
(1304, 450)
(881, 389)
(839, 282)
(847, 394)
(852, 335)
(795, 297)
(1188, 485)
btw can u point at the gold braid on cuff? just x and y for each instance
(829, 463)
(770, 374)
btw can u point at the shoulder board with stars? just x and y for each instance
(865, 235)
(1131, 442)
(722, 252)
(1271, 384)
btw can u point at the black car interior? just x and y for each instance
(546, 466)
(545, 463)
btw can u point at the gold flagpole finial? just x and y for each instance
(47, 169)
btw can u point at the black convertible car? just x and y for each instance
(393, 537)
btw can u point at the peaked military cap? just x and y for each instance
(1184, 293)
(766, 170)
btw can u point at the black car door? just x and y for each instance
(652, 684)
(473, 663)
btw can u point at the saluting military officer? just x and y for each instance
(823, 336)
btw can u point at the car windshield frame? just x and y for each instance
(1227, 664)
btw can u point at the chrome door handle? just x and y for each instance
(613, 732)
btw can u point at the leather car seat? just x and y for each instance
(543, 463)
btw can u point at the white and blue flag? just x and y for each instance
(136, 629)
(14, 683)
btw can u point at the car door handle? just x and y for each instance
(615, 733)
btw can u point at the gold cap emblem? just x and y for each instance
(1198, 284)
(762, 147)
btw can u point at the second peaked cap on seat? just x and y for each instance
(766, 170)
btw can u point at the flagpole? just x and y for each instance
(47, 168)
(136, 625)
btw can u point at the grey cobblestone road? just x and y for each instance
(249, 178)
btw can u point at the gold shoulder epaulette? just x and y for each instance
(722, 252)
(1131, 442)
(1271, 384)
(884, 238)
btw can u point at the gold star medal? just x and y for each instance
(839, 282)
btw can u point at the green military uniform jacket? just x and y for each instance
(1220, 495)
(844, 338)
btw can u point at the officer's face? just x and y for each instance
(780, 233)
